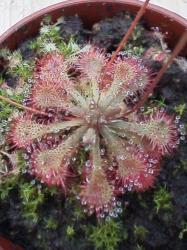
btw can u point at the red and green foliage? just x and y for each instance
(89, 102)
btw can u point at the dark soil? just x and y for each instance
(163, 226)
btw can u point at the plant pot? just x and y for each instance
(7, 245)
(91, 11)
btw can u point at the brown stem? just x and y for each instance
(129, 32)
(8, 100)
(180, 45)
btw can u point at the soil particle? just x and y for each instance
(12, 81)
(157, 237)
(26, 51)
(108, 32)
(72, 26)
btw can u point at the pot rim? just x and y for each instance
(66, 3)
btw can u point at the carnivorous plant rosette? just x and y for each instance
(89, 100)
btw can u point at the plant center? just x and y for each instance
(94, 117)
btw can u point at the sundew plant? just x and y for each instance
(90, 101)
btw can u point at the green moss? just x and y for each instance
(11, 181)
(17, 66)
(139, 247)
(1, 79)
(70, 231)
(134, 46)
(48, 40)
(163, 199)
(160, 102)
(31, 198)
(51, 223)
(134, 50)
(77, 211)
(153, 104)
(106, 235)
(140, 232)
(5, 52)
(68, 48)
(125, 234)
(23, 70)
(5, 109)
(180, 168)
(183, 165)
(137, 33)
(7, 185)
(183, 230)
(141, 200)
(51, 190)
(180, 109)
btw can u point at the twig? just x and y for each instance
(129, 32)
(8, 100)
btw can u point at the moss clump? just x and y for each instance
(51, 223)
(7, 186)
(10, 178)
(163, 199)
(106, 236)
(180, 109)
(70, 231)
(31, 198)
(140, 232)
(183, 231)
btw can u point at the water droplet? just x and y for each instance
(118, 203)
(74, 159)
(88, 163)
(131, 141)
(102, 151)
(33, 182)
(83, 202)
(182, 138)
(108, 218)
